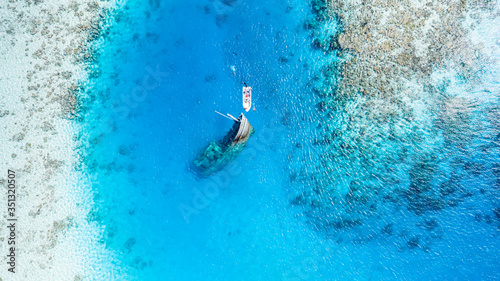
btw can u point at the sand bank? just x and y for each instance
(43, 53)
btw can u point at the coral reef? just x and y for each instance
(396, 125)
(45, 47)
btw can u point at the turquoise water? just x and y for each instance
(163, 68)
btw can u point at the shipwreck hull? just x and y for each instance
(218, 154)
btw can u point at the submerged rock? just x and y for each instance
(413, 243)
(387, 229)
(428, 224)
(497, 213)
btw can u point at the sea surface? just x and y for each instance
(162, 70)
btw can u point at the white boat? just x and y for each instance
(247, 98)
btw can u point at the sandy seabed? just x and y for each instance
(43, 53)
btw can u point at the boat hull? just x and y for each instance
(247, 98)
(218, 154)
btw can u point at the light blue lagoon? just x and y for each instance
(284, 209)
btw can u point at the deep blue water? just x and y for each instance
(164, 68)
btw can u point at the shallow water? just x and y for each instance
(165, 67)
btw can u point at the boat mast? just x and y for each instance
(228, 116)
